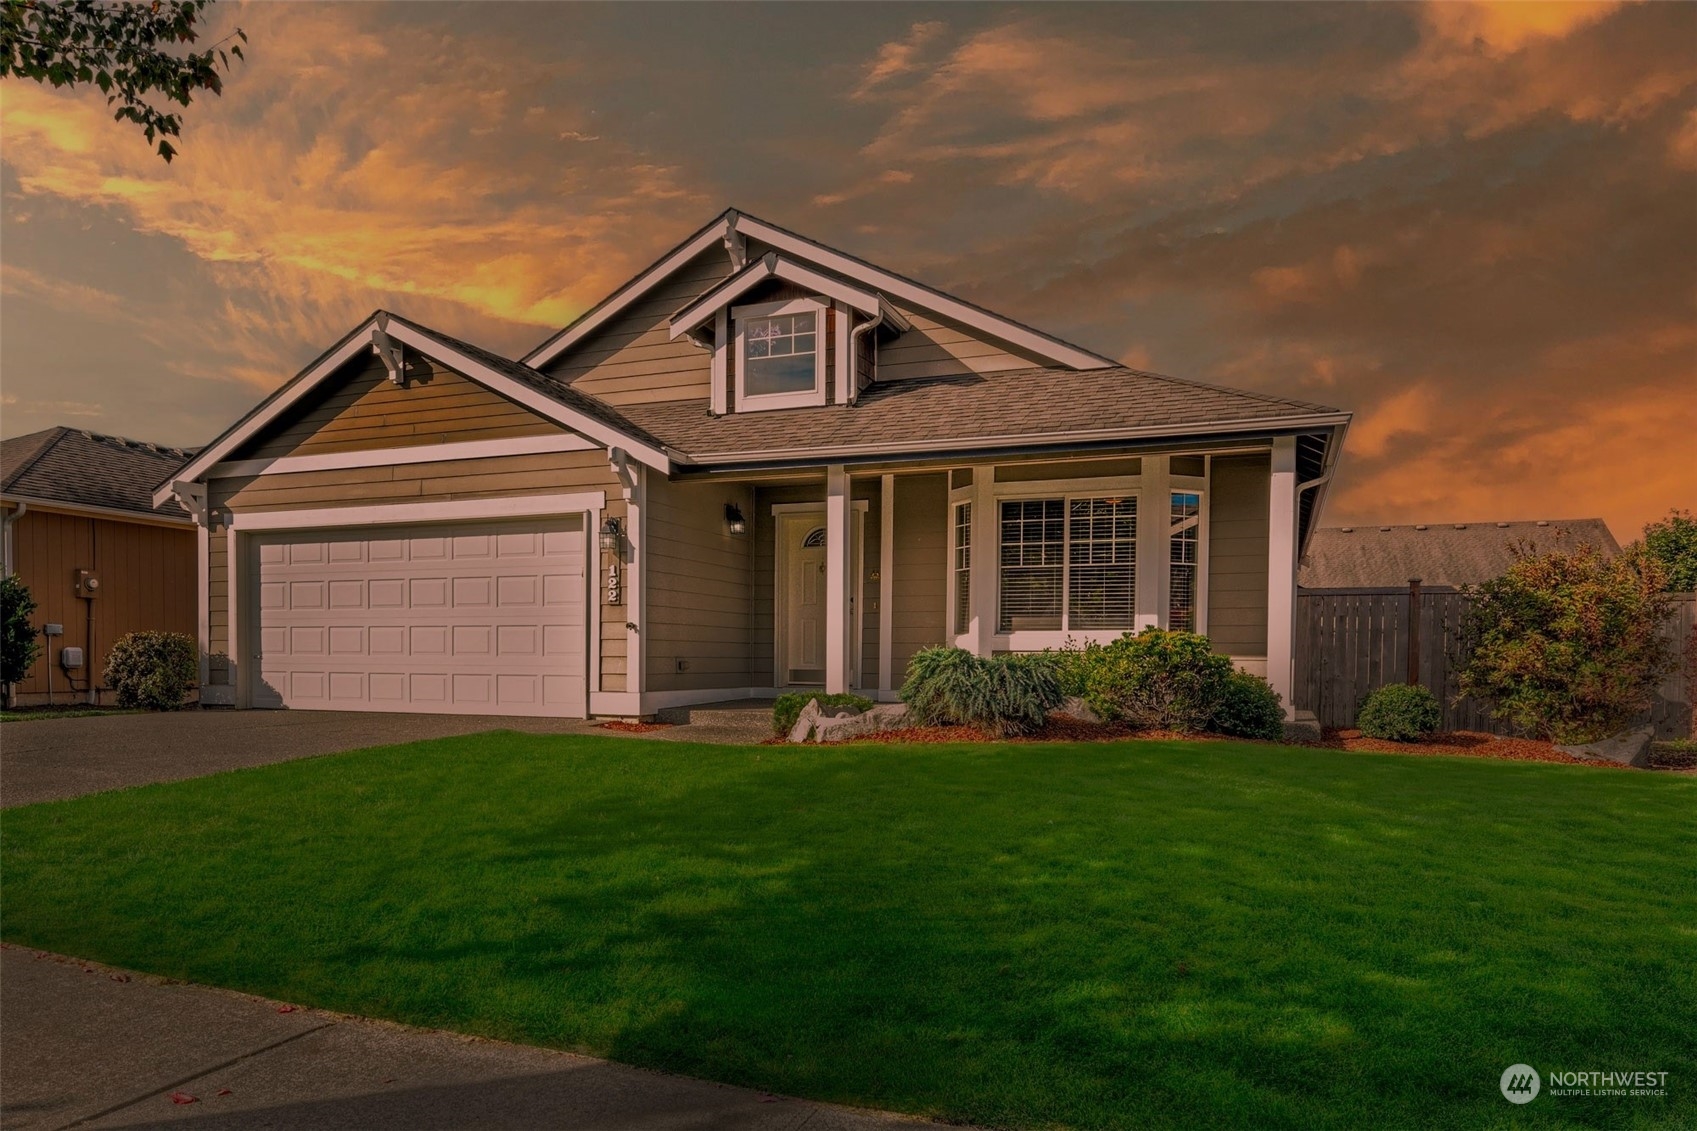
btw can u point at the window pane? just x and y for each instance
(1184, 544)
(963, 567)
(1102, 560)
(779, 355)
(1032, 533)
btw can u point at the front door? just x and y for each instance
(803, 600)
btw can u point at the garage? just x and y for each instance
(461, 618)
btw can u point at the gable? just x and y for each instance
(935, 348)
(360, 409)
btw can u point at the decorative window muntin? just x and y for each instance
(1184, 555)
(962, 567)
(1102, 562)
(780, 354)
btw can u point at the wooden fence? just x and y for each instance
(1351, 641)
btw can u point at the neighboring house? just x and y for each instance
(1437, 553)
(760, 464)
(82, 533)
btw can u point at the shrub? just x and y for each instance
(1567, 646)
(1248, 707)
(1004, 694)
(152, 669)
(787, 708)
(18, 644)
(1158, 678)
(1672, 541)
(1072, 663)
(1399, 712)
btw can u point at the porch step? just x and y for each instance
(752, 713)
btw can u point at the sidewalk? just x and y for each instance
(89, 1046)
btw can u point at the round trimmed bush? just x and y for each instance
(1248, 707)
(1399, 712)
(1158, 678)
(155, 670)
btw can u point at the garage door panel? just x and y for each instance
(469, 617)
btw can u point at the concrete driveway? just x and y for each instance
(90, 1046)
(50, 759)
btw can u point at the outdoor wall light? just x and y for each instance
(734, 519)
(610, 531)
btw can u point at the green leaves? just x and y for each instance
(124, 49)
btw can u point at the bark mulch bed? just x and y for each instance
(633, 728)
(1467, 743)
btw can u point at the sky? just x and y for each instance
(1472, 225)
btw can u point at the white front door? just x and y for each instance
(455, 618)
(803, 599)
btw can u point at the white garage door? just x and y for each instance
(462, 618)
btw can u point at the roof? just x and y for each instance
(1462, 553)
(69, 465)
(1020, 406)
(732, 225)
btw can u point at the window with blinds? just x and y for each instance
(1033, 551)
(1101, 562)
(963, 567)
(1184, 545)
(1067, 564)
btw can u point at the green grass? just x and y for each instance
(1141, 934)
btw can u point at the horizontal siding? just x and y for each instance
(699, 588)
(364, 410)
(633, 359)
(934, 348)
(921, 555)
(1237, 554)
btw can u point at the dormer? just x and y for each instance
(787, 335)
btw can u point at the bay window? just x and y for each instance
(1067, 564)
(1184, 543)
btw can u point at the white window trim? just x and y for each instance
(765, 401)
(1190, 485)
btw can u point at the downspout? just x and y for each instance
(8, 520)
(854, 351)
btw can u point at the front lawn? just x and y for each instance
(1096, 935)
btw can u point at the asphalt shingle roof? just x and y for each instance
(1027, 404)
(68, 465)
(1352, 557)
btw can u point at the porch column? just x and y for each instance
(1154, 515)
(886, 585)
(838, 508)
(985, 556)
(1281, 572)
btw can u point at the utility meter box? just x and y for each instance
(52, 630)
(70, 658)
(88, 583)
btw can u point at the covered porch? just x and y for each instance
(832, 577)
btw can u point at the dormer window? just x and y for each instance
(780, 354)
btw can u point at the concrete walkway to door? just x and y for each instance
(50, 759)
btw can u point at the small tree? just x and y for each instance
(1672, 541)
(18, 644)
(1567, 646)
(124, 49)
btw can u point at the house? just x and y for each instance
(1438, 553)
(82, 532)
(760, 464)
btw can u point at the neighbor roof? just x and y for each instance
(69, 465)
(1463, 553)
(1018, 407)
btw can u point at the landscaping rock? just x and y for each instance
(1304, 729)
(1076, 708)
(805, 722)
(886, 716)
(1629, 748)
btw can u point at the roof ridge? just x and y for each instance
(1256, 394)
(35, 458)
(128, 442)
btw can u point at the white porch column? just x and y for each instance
(886, 585)
(838, 514)
(1281, 572)
(1154, 515)
(984, 567)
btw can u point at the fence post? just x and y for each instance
(1414, 632)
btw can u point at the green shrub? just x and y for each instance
(1568, 646)
(1248, 707)
(1672, 541)
(787, 708)
(1399, 712)
(154, 670)
(19, 645)
(1004, 694)
(1072, 664)
(1157, 678)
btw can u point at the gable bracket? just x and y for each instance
(389, 350)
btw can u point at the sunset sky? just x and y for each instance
(1475, 226)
